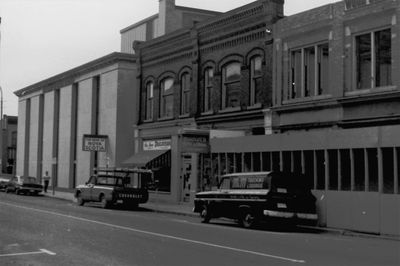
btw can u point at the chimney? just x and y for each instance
(166, 16)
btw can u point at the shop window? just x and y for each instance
(388, 170)
(359, 169)
(309, 167)
(345, 169)
(238, 164)
(333, 169)
(205, 178)
(222, 159)
(297, 164)
(256, 161)
(149, 100)
(231, 75)
(287, 161)
(185, 93)
(167, 98)
(208, 85)
(320, 161)
(374, 59)
(309, 71)
(373, 174)
(266, 161)
(276, 161)
(255, 79)
(247, 162)
(215, 170)
(230, 162)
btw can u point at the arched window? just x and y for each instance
(185, 93)
(231, 85)
(208, 81)
(149, 100)
(255, 79)
(167, 97)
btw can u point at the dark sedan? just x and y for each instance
(3, 182)
(24, 184)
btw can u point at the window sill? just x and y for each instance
(254, 106)
(165, 118)
(210, 112)
(148, 120)
(368, 91)
(307, 99)
(230, 110)
(184, 116)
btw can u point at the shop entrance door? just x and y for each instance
(187, 176)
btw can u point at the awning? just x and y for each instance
(142, 158)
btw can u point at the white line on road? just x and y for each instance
(41, 251)
(159, 235)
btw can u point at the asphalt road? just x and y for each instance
(46, 231)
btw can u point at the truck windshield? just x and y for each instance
(109, 181)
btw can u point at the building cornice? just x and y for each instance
(70, 75)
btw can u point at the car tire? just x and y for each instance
(79, 200)
(104, 202)
(247, 219)
(17, 191)
(205, 214)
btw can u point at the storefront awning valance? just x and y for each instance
(142, 158)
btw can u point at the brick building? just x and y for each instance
(335, 114)
(213, 78)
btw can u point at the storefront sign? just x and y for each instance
(156, 145)
(195, 144)
(94, 143)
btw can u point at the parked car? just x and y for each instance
(24, 184)
(3, 182)
(112, 186)
(259, 196)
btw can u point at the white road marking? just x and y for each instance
(159, 235)
(41, 251)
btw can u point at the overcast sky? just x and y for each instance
(42, 38)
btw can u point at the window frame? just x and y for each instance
(317, 88)
(149, 103)
(207, 89)
(185, 91)
(226, 83)
(253, 79)
(165, 96)
(373, 55)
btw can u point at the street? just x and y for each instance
(47, 231)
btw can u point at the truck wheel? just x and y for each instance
(205, 214)
(103, 202)
(79, 200)
(247, 219)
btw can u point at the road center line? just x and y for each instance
(41, 251)
(158, 234)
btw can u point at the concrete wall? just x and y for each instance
(48, 131)
(34, 137)
(85, 101)
(64, 137)
(22, 130)
(108, 115)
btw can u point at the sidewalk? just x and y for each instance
(186, 209)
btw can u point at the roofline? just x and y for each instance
(205, 11)
(77, 71)
(139, 23)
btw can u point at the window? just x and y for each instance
(309, 71)
(255, 79)
(185, 93)
(167, 98)
(208, 80)
(149, 100)
(373, 59)
(231, 85)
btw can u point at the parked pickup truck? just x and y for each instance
(110, 186)
(259, 196)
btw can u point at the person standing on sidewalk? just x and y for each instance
(46, 180)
